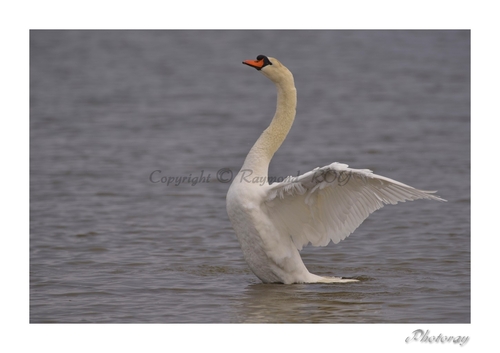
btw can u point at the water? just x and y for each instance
(109, 108)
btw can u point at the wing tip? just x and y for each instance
(433, 197)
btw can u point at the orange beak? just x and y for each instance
(257, 64)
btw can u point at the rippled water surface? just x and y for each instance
(115, 114)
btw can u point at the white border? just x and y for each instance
(267, 14)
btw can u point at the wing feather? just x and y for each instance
(329, 203)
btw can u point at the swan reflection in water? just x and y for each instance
(305, 303)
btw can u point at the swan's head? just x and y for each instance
(271, 68)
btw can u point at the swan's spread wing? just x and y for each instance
(329, 203)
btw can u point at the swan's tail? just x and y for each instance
(320, 279)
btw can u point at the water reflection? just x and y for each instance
(301, 303)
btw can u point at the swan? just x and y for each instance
(274, 221)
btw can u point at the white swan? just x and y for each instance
(273, 222)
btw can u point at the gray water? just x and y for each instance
(110, 241)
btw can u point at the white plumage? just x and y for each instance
(329, 203)
(272, 222)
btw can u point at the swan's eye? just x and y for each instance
(266, 60)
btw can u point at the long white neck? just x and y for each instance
(263, 150)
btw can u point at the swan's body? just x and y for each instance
(273, 222)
